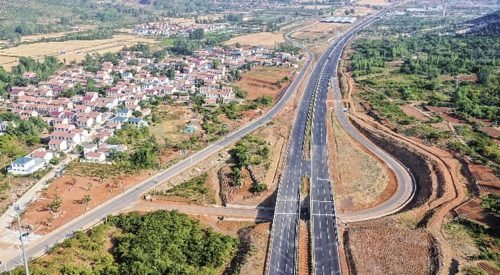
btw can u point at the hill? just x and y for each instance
(486, 25)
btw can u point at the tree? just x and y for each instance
(137, 113)
(79, 149)
(197, 34)
(86, 199)
(64, 20)
(237, 45)
(216, 63)
(483, 75)
(55, 205)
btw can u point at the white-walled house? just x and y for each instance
(24, 165)
(95, 157)
(42, 154)
(58, 145)
(71, 138)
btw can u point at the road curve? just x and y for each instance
(406, 182)
(132, 195)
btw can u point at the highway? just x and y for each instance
(325, 255)
(133, 195)
(284, 235)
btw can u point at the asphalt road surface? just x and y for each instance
(325, 257)
(284, 235)
(133, 195)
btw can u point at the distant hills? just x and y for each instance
(486, 25)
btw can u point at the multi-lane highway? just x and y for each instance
(133, 195)
(284, 235)
(325, 255)
(323, 216)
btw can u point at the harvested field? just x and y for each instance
(389, 251)
(34, 38)
(8, 61)
(373, 2)
(265, 39)
(75, 49)
(358, 11)
(324, 27)
(412, 111)
(307, 35)
(363, 180)
(471, 210)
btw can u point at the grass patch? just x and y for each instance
(194, 189)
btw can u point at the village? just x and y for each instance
(170, 29)
(83, 122)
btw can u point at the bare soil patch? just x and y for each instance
(44, 221)
(265, 39)
(264, 81)
(259, 238)
(412, 111)
(390, 251)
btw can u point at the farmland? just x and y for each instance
(74, 50)
(373, 2)
(265, 39)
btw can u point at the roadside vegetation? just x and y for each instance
(250, 150)
(194, 190)
(129, 243)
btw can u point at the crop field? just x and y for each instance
(358, 11)
(71, 50)
(34, 38)
(390, 251)
(265, 39)
(373, 2)
(7, 62)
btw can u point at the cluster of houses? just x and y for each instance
(91, 115)
(169, 29)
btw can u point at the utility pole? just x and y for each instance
(17, 210)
